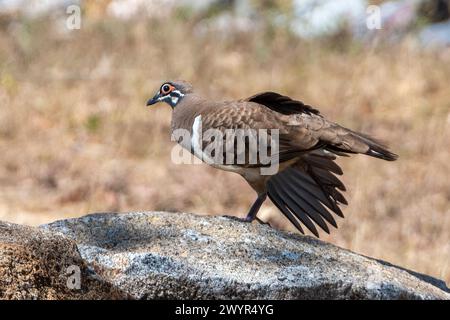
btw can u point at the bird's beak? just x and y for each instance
(154, 100)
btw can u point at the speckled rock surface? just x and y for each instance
(167, 255)
(36, 264)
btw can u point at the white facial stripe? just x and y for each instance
(178, 92)
(175, 96)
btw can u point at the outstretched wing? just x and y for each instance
(308, 191)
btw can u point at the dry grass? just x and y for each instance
(76, 137)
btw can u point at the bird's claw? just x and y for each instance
(262, 222)
(246, 219)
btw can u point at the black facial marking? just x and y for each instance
(173, 98)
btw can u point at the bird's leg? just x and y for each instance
(251, 215)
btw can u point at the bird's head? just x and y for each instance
(171, 92)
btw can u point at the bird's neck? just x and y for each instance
(185, 112)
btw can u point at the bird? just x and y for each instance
(305, 187)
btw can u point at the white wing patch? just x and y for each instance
(196, 141)
(197, 145)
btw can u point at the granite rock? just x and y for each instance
(175, 255)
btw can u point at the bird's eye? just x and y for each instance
(165, 89)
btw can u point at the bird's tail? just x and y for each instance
(356, 142)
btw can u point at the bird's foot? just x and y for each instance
(262, 222)
(246, 219)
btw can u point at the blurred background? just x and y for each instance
(76, 137)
